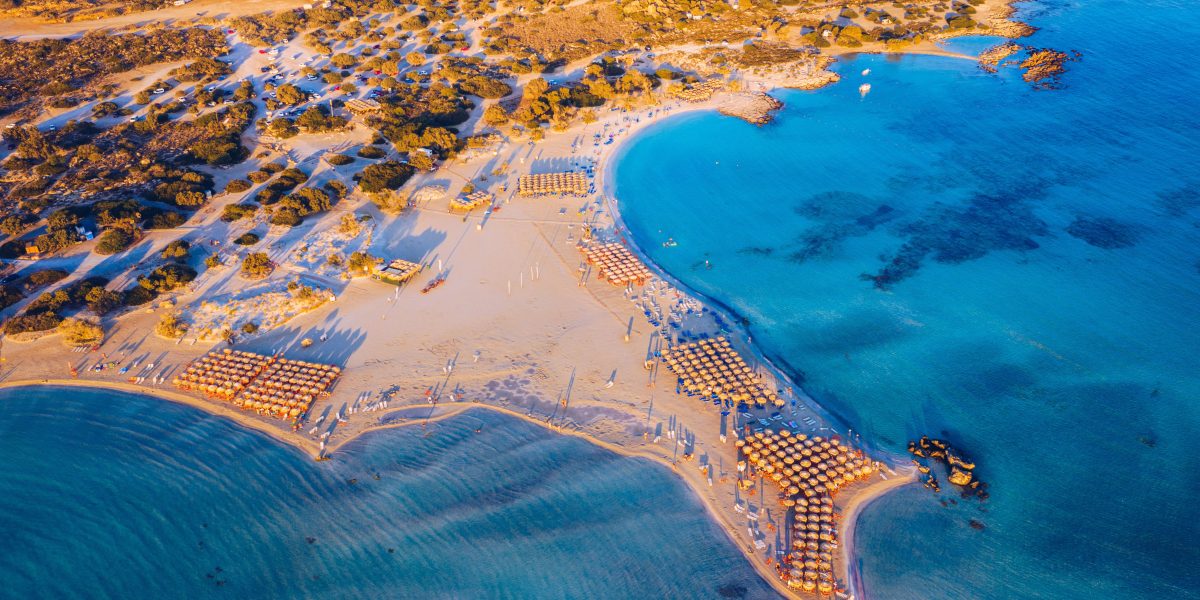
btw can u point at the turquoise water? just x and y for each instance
(105, 495)
(960, 255)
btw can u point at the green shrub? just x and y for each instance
(137, 296)
(176, 250)
(371, 152)
(165, 220)
(237, 186)
(389, 175)
(237, 212)
(40, 279)
(116, 240)
(247, 239)
(287, 217)
(257, 266)
(167, 277)
(44, 321)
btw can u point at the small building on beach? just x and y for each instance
(469, 202)
(397, 271)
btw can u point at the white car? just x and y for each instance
(160, 91)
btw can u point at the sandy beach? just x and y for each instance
(518, 327)
(515, 331)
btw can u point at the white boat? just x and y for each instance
(866, 72)
(864, 89)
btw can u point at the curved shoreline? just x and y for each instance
(739, 326)
(447, 411)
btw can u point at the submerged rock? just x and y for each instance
(1103, 232)
(960, 468)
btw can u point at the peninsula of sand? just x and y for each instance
(521, 294)
(522, 324)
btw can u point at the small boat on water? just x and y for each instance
(866, 72)
(670, 243)
(864, 89)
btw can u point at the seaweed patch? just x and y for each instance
(955, 234)
(1178, 202)
(840, 215)
(1103, 232)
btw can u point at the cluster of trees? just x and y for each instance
(266, 29)
(286, 181)
(15, 292)
(162, 279)
(184, 188)
(292, 209)
(220, 135)
(203, 70)
(384, 176)
(316, 119)
(50, 67)
(485, 87)
(43, 313)
(237, 212)
(380, 181)
(541, 104)
(78, 332)
(118, 237)
(418, 117)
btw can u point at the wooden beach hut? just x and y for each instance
(397, 271)
(469, 202)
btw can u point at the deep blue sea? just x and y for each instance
(107, 495)
(957, 254)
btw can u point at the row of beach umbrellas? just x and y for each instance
(711, 367)
(571, 182)
(808, 471)
(617, 264)
(268, 385)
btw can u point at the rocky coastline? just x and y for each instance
(752, 107)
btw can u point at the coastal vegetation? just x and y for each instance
(77, 332)
(257, 265)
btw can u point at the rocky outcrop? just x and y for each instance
(961, 470)
(752, 107)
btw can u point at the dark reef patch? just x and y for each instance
(732, 590)
(839, 215)
(835, 206)
(757, 251)
(1180, 201)
(955, 234)
(1103, 232)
